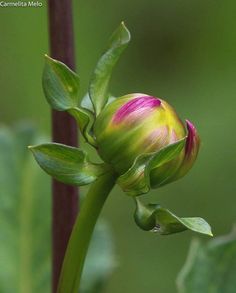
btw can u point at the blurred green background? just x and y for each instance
(181, 50)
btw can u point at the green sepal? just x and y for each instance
(98, 89)
(60, 84)
(136, 180)
(67, 164)
(85, 121)
(154, 218)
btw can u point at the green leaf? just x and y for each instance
(153, 217)
(25, 216)
(67, 164)
(136, 180)
(60, 84)
(85, 121)
(98, 89)
(210, 267)
(100, 261)
(61, 88)
(168, 223)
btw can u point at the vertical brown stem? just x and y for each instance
(64, 130)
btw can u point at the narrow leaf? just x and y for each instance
(60, 84)
(66, 164)
(136, 180)
(210, 266)
(98, 89)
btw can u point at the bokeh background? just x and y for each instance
(181, 50)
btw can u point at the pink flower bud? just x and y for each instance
(136, 124)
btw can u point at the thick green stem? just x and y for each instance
(82, 232)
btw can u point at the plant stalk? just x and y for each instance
(64, 130)
(82, 232)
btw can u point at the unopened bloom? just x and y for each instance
(138, 124)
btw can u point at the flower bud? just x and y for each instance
(136, 124)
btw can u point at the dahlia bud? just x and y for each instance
(140, 138)
(138, 124)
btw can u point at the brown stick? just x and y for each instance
(64, 130)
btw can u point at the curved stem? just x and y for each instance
(80, 237)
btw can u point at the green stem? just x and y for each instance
(80, 237)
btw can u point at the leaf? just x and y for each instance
(210, 267)
(168, 223)
(153, 217)
(25, 216)
(61, 88)
(67, 164)
(85, 121)
(136, 180)
(61, 85)
(98, 89)
(100, 261)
